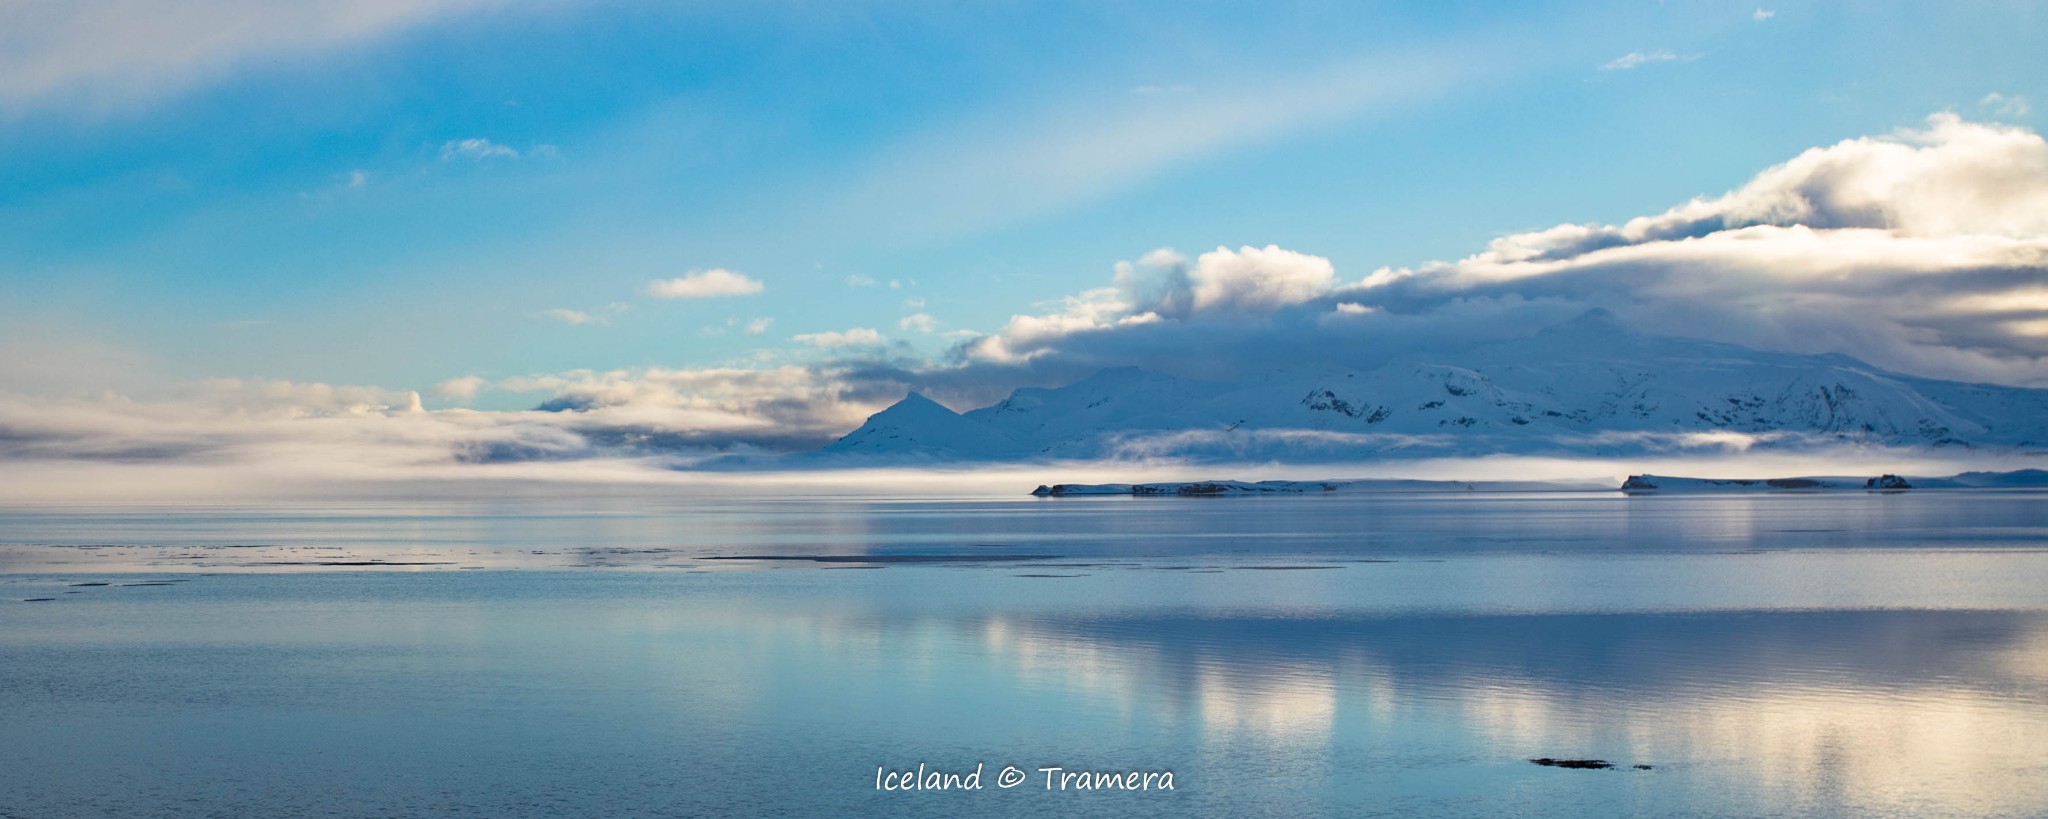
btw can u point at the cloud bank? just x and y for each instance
(1923, 251)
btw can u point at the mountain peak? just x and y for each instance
(917, 425)
(915, 398)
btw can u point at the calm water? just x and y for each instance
(1852, 655)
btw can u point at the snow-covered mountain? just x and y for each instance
(1587, 387)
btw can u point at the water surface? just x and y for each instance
(1850, 655)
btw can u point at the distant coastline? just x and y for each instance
(1634, 485)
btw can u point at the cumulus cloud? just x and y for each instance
(1164, 291)
(856, 337)
(704, 284)
(1635, 59)
(1922, 250)
(918, 323)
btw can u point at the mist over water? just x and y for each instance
(1852, 655)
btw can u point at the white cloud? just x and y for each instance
(1914, 250)
(856, 337)
(704, 284)
(463, 390)
(1762, 14)
(567, 316)
(358, 179)
(475, 149)
(918, 323)
(1258, 279)
(2006, 106)
(1638, 58)
(752, 327)
(858, 280)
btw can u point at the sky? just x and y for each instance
(755, 223)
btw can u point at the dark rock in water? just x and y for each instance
(37, 599)
(88, 584)
(1643, 767)
(1590, 764)
(1889, 482)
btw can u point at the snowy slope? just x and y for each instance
(921, 426)
(1586, 387)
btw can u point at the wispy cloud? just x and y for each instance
(1762, 14)
(2006, 106)
(918, 323)
(103, 54)
(1635, 59)
(837, 339)
(752, 327)
(475, 149)
(858, 280)
(568, 316)
(1021, 161)
(704, 284)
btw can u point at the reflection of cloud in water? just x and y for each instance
(1875, 711)
(1294, 703)
(1297, 705)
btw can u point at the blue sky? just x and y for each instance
(361, 195)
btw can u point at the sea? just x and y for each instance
(690, 654)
